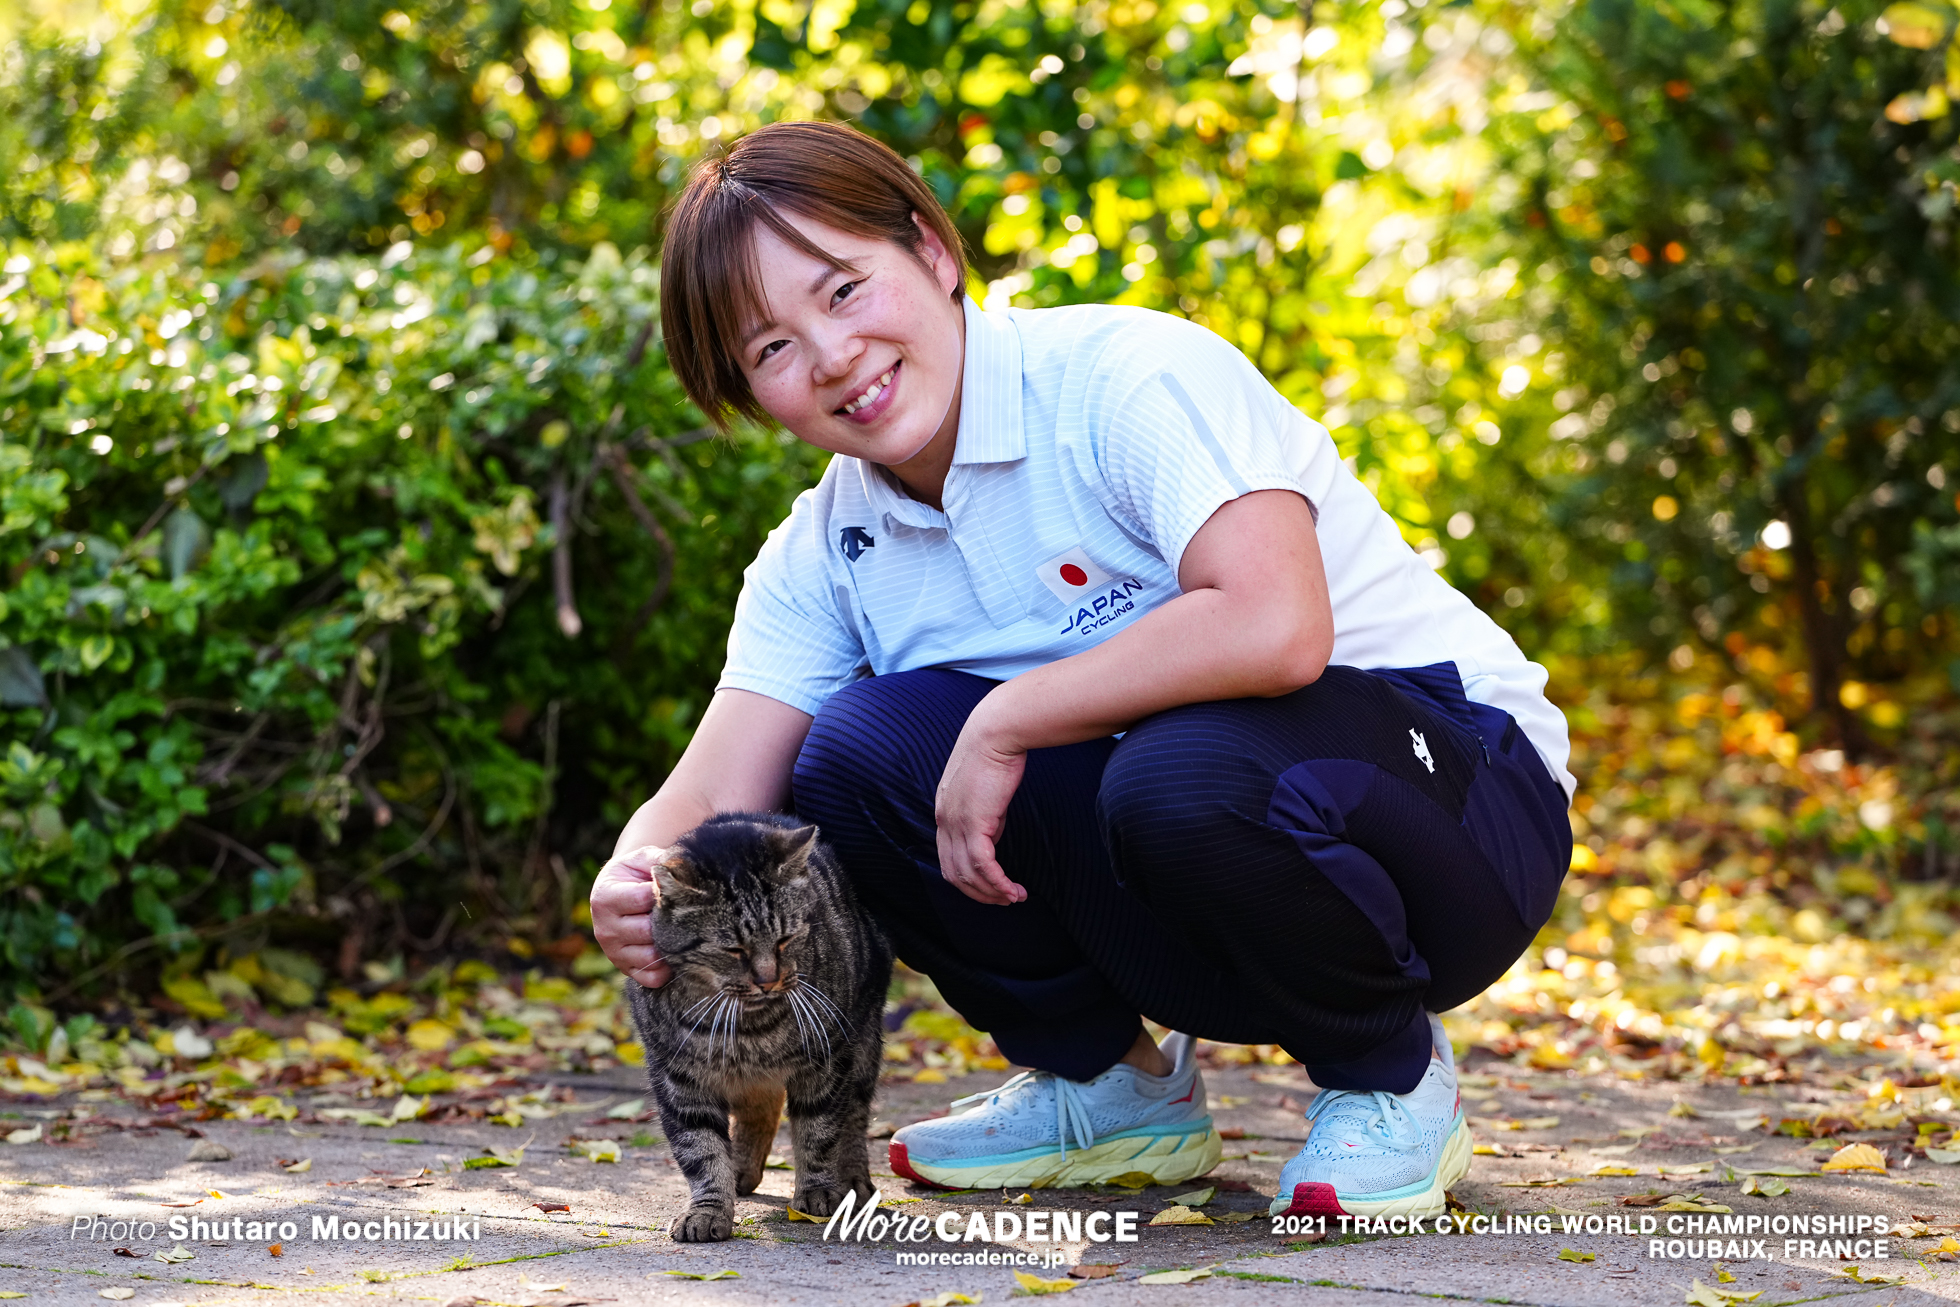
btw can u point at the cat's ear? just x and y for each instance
(677, 881)
(793, 848)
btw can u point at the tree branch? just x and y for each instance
(569, 621)
(622, 470)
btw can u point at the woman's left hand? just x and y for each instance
(971, 810)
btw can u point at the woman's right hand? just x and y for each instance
(622, 915)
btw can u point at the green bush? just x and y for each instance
(351, 603)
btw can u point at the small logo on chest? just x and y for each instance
(1072, 575)
(1422, 750)
(1094, 598)
(854, 540)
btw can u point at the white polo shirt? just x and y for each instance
(1093, 443)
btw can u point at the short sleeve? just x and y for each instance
(1185, 424)
(793, 638)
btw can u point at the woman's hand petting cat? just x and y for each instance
(622, 915)
(971, 811)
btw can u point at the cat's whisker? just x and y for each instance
(804, 1004)
(698, 1020)
(822, 1032)
(802, 1031)
(834, 1012)
(734, 1027)
(725, 1023)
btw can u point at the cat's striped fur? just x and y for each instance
(778, 994)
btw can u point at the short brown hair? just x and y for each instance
(709, 285)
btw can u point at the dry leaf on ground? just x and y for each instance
(1180, 1216)
(1175, 1277)
(599, 1150)
(1034, 1286)
(1856, 1157)
(1133, 1180)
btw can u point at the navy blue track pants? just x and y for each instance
(1314, 871)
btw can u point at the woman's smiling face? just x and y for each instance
(864, 361)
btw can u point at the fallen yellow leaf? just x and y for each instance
(1180, 1216)
(1856, 1157)
(1132, 1180)
(1035, 1286)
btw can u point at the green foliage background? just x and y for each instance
(365, 566)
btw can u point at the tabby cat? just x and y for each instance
(778, 991)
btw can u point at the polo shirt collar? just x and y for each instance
(892, 504)
(990, 416)
(990, 391)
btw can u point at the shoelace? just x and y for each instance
(1392, 1123)
(1071, 1111)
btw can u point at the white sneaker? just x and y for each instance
(1039, 1131)
(1381, 1154)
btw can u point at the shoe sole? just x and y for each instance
(1424, 1198)
(1165, 1158)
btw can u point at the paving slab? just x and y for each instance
(118, 1182)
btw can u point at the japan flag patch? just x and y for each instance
(1072, 575)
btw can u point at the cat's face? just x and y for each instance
(735, 917)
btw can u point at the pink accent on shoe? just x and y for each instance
(1313, 1198)
(902, 1165)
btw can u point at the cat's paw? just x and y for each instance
(821, 1199)
(817, 1200)
(701, 1225)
